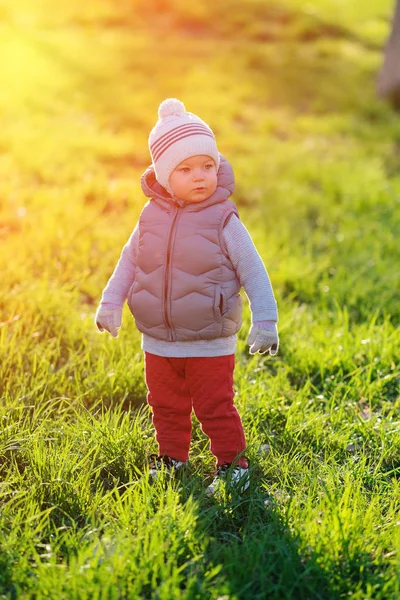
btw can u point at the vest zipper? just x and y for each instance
(167, 278)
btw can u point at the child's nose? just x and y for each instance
(198, 175)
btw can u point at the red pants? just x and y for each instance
(175, 385)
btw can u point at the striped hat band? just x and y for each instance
(175, 135)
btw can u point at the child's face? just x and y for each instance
(194, 179)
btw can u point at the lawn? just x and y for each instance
(289, 89)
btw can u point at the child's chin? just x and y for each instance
(197, 200)
(199, 197)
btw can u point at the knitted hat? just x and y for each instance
(178, 135)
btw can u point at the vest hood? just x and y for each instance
(155, 191)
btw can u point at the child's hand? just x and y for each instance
(109, 317)
(263, 337)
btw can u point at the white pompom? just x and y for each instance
(171, 106)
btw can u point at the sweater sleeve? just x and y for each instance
(117, 288)
(250, 271)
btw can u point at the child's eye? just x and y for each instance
(210, 166)
(185, 170)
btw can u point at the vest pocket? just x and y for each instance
(219, 303)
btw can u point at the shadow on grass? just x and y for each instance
(7, 587)
(257, 554)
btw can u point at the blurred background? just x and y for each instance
(289, 88)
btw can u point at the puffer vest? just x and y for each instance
(185, 286)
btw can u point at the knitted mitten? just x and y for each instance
(109, 317)
(263, 337)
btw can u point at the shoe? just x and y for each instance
(237, 478)
(163, 463)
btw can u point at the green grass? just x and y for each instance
(289, 89)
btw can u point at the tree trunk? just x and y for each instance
(389, 76)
